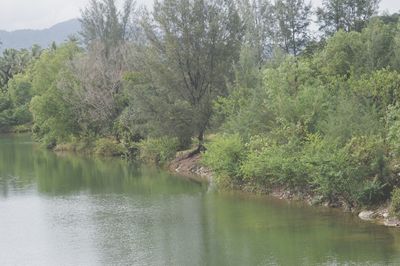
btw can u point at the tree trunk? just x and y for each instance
(200, 145)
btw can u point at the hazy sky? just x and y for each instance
(39, 14)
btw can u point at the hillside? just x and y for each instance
(26, 38)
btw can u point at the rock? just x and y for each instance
(316, 200)
(385, 214)
(367, 215)
(392, 222)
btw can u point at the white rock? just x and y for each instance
(366, 215)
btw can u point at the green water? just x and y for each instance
(69, 210)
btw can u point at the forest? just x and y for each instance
(271, 93)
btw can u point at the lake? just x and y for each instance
(64, 209)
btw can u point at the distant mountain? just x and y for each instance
(26, 38)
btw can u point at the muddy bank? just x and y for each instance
(191, 168)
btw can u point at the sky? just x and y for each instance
(40, 14)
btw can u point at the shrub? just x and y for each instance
(5, 102)
(353, 173)
(85, 144)
(224, 156)
(331, 173)
(368, 154)
(6, 120)
(109, 147)
(395, 205)
(22, 128)
(158, 150)
(372, 192)
(275, 163)
(393, 126)
(65, 147)
(22, 114)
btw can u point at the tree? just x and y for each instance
(91, 85)
(53, 117)
(103, 22)
(348, 15)
(192, 46)
(258, 20)
(11, 63)
(293, 19)
(355, 53)
(92, 82)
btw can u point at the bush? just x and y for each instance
(22, 128)
(5, 102)
(275, 163)
(158, 150)
(368, 154)
(109, 147)
(224, 156)
(332, 176)
(84, 144)
(6, 120)
(393, 126)
(395, 206)
(22, 115)
(353, 173)
(65, 147)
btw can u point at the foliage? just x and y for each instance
(103, 23)
(395, 203)
(158, 150)
(109, 147)
(354, 173)
(54, 119)
(191, 48)
(13, 62)
(293, 20)
(224, 155)
(348, 15)
(271, 163)
(313, 113)
(316, 124)
(393, 130)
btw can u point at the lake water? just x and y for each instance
(71, 210)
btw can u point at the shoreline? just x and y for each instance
(191, 168)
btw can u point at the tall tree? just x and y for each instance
(258, 20)
(293, 19)
(91, 85)
(103, 22)
(192, 47)
(347, 15)
(92, 82)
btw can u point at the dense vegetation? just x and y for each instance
(318, 113)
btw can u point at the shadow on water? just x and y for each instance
(24, 164)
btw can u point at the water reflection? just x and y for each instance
(71, 210)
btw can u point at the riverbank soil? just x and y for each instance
(190, 166)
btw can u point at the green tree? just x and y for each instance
(258, 21)
(12, 62)
(347, 15)
(293, 19)
(54, 119)
(192, 46)
(103, 22)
